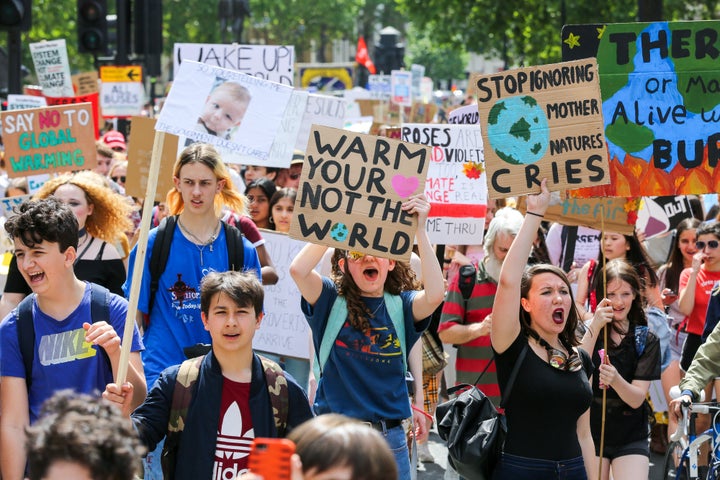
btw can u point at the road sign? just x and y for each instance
(115, 74)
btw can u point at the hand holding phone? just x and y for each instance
(270, 458)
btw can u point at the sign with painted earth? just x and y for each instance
(542, 122)
(660, 87)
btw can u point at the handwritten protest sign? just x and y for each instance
(456, 185)
(320, 110)
(230, 110)
(467, 115)
(92, 98)
(614, 214)
(51, 139)
(269, 62)
(351, 191)
(281, 152)
(52, 68)
(542, 122)
(379, 87)
(284, 330)
(658, 215)
(660, 102)
(140, 147)
(7, 205)
(85, 83)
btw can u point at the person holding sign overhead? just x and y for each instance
(376, 314)
(534, 322)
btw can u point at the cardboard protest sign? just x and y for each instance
(351, 191)
(401, 87)
(269, 62)
(284, 330)
(467, 115)
(614, 214)
(422, 112)
(140, 147)
(230, 110)
(660, 102)
(456, 185)
(85, 83)
(22, 102)
(320, 110)
(50, 139)
(52, 68)
(542, 122)
(658, 215)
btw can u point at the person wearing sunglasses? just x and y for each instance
(290, 177)
(624, 367)
(696, 284)
(534, 315)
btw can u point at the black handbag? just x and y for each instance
(473, 428)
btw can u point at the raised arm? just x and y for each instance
(302, 270)
(686, 300)
(431, 297)
(506, 322)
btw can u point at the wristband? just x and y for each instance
(689, 394)
(535, 214)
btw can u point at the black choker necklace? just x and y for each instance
(557, 358)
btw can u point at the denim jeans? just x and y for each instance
(152, 465)
(395, 437)
(522, 468)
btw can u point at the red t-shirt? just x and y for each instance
(704, 284)
(235, 431)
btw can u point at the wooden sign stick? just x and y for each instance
(141, 249)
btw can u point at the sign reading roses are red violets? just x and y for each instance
(352, 189)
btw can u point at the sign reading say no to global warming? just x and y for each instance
(542, 122)
(46, 140)
(352, 189)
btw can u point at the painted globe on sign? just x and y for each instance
(518, 130)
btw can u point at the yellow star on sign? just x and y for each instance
(572, 40)
(601, 31)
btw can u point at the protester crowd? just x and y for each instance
(197, 394)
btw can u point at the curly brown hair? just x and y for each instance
(399, 279)
(111, 211)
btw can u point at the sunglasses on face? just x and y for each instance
(711, 244)
(355, 256)
(119, 179)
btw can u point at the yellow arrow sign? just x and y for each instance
(114, 74)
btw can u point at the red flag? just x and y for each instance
(362, 56)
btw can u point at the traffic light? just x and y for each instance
(15, 15)
(148, 27)
(92, 27)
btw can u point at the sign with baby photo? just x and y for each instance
(352, 189)
(228, 109)
(543, 122)
(49, 140)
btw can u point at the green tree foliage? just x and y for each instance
(440, 62)
(527, 32)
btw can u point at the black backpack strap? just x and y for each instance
(235, 247)
(26, 335)
(159, 255)
(568, 237)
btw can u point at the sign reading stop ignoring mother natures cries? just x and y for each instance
(351, 191)
(542, 122)
(661, 102)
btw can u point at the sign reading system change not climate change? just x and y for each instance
(542, 122)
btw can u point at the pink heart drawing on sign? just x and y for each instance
(404, 186)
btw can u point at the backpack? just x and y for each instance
(163, 242)
(182, 397)
(99, 311)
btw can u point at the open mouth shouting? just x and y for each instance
(371, 274)
(36, 277)
(558, 316)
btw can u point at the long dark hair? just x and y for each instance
(619, 269)
(636, 256)
(399, 279)
(568, 336)
(675, 264)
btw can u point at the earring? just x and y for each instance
(271, 221)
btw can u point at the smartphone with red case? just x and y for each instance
(270, 457)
